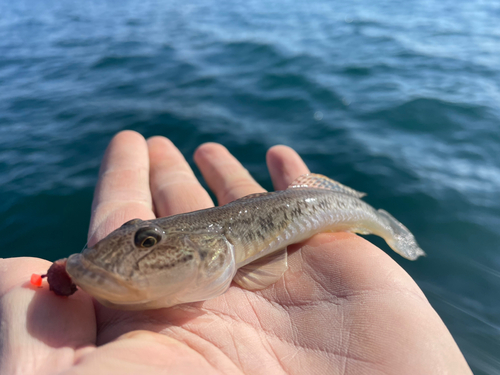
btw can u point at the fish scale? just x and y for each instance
(195, 256)
(295, 228)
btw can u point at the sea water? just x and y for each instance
(399, 99)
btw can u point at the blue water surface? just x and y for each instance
(399, 99)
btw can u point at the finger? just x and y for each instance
(225, 176)
(41, 332)
(174, 186)
(122, 192)
(284, 165)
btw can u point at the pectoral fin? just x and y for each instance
(262, 272)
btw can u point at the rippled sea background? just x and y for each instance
(400, 99)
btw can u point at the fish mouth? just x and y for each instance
(100, 283)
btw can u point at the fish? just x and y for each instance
(192, 257)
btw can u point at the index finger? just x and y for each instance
(122, 192)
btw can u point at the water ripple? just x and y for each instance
(396, 99)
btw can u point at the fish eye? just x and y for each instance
(147, 237)
(148, 242)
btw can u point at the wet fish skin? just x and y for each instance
(197, 254)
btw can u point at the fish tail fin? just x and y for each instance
(401, 240)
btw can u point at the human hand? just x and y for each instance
(343, 306)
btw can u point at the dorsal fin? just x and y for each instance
(318, 181)
(255, 195)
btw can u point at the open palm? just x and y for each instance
(343, 306)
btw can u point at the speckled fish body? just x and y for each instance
(195, 256)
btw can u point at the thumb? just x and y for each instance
(40, 332)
